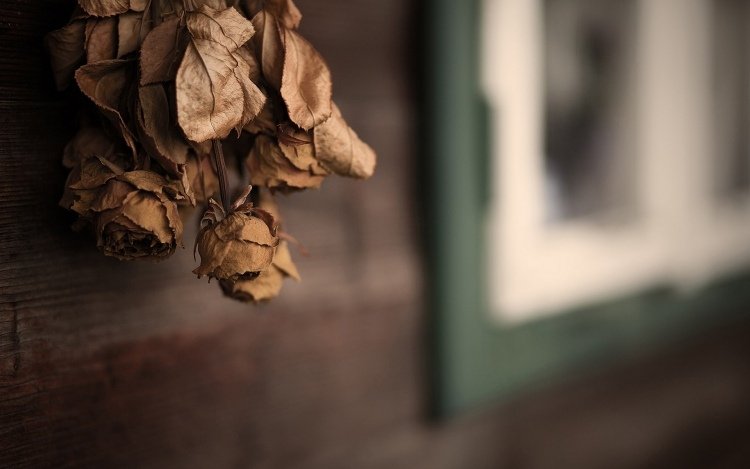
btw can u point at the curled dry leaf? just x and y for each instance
(139, 5)
(160, 52)
(269, 166)
(93, 141)
(201, 177)
(284, 10)
(159, 133)
(105, 7)
(66, 50)
(101, 39)
(269, 47)
(306, 85)
(339, 148)
(107, 84)
(293, 67)
(132, 28)
(214, 91)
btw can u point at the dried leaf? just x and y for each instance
(214, 90)
(132, 28)
(305, 82)
(101, 39)
(293, 67)
(160, 135)
(285, 10)
(104, 7)
(283, 261)
(139, 5)
(298, 149)
(269, 167)
(269, 47)
(340, 150)
(264, 121)
(91, 141)
(107, 83)
(66, 49)
(254, 99)
(160, 52)
(201, 177)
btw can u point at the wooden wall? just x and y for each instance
(110, 364)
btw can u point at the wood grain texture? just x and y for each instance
(111, 364)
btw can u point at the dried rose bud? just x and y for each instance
(236, 246)
(136, 219)
(267, 285)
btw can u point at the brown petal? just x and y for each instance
(266, 286)
(148, 181)
(282, 260)
(66, 51)
(101, 39)
(160, 52)
(305, 82)
(104, 7)
(249, 229)
(339, 148)
(112, 196)
(148, 212)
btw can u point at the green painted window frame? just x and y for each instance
(476, 361)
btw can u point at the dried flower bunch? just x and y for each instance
(170, 86)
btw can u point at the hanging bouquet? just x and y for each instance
(170, 86)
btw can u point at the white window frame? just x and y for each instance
(683, 235)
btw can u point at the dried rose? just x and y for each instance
(134, 213)
(137, 219)
(268, 284)
(238, 245)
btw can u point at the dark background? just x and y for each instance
(110, 364)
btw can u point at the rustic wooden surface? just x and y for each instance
(109, 364)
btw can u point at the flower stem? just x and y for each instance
(221, 169)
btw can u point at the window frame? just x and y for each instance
(476, 360)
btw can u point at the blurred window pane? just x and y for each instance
(589, 85)
(731, 98)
